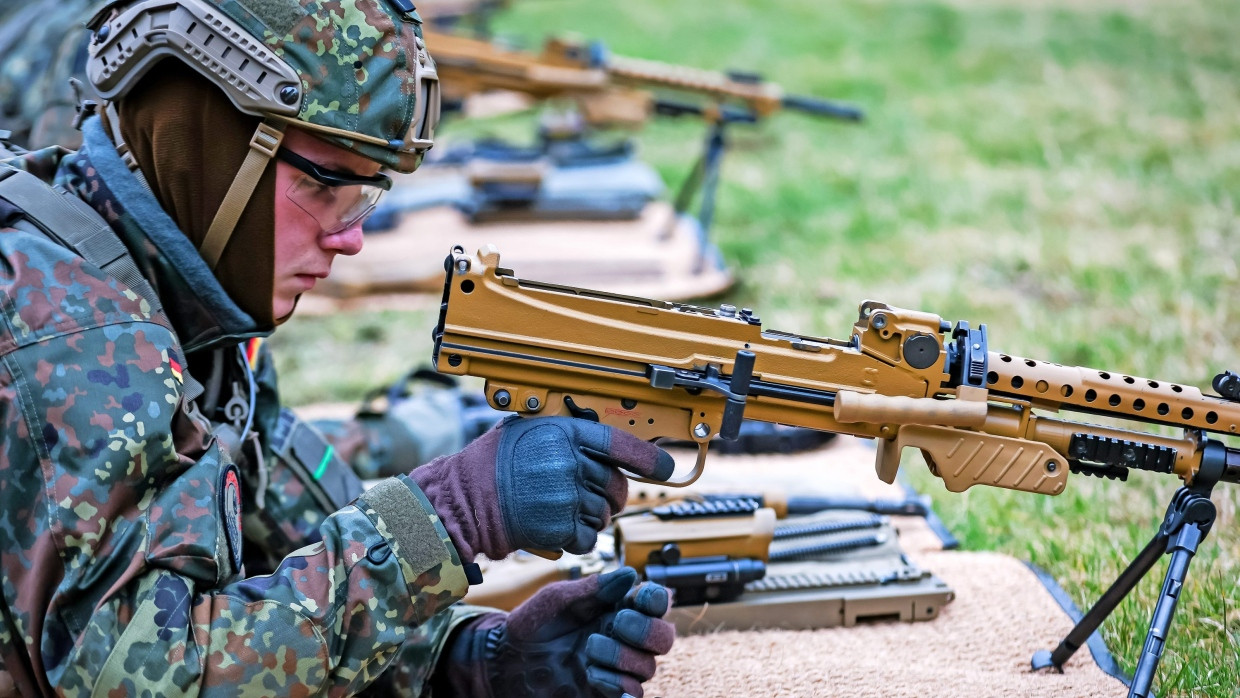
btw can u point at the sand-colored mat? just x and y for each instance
(980, 645)
(655, 256)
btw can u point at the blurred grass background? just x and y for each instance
(1065, 172)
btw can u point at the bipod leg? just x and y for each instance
(704, 178)
(1198, 516)
(1189, 517)
(710, 174)
(1102, 608)
(687, 191)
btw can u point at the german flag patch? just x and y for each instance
(175, 364)
(251, 352)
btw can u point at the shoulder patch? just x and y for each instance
(230, 511)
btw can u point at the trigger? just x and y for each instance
(578, 411)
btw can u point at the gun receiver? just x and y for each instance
(906, 378)
(609, 90)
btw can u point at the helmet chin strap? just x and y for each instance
(263, 145)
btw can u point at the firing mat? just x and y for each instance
(980, 645)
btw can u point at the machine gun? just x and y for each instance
(611, 90)
(607, 91)
(908, 379)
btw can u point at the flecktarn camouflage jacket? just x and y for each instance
(130, 539)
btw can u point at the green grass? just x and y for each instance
(1067, 174)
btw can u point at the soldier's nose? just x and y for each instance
(346, 242)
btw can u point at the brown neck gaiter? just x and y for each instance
(189, 140)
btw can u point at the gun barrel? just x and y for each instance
(887, 507)
(822, 107)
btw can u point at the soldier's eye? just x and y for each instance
(324, 194)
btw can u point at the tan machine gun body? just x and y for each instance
(609, 90)
(905, 378)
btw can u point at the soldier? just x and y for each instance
(42, 45)
(164, 526)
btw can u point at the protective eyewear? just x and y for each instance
(337, 200)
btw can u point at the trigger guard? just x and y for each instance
(698, 469)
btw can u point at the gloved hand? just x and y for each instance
(597, 636)
(546, 483)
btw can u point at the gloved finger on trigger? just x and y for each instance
(649, 598)
(627, 452)
(613, 684)
(643, 632)
(606, 652)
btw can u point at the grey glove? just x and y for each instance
(545, 483)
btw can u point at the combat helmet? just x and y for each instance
(353, 72)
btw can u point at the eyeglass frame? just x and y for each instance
(332, 178)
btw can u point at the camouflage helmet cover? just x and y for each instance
(354, 72)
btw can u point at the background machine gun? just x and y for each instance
(616, 91)
(610, 90)
(906, 378)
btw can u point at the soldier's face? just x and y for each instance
(304, 252)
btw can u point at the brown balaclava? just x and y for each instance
(189, 141)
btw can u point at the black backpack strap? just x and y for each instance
(72, 223)
(326, 476)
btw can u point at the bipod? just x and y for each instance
(1189, 518)
(704, 177)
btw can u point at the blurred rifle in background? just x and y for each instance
(612, 90)
(616, 91)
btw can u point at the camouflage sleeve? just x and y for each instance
(291, 513)
(121, 530)
(330, 619)
(412, 672)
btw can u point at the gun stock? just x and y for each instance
(906, 378)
